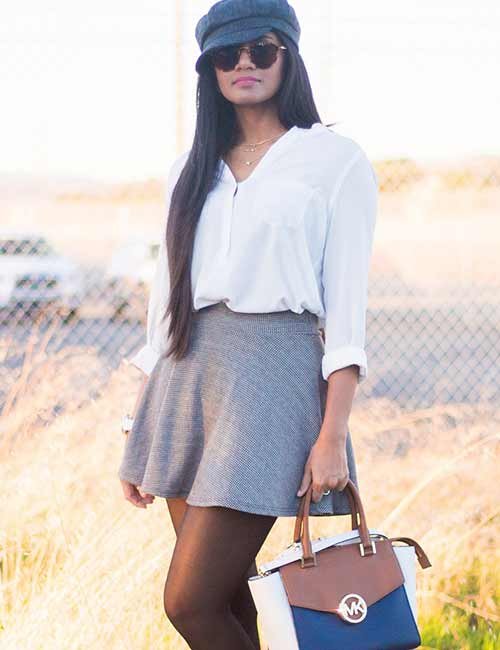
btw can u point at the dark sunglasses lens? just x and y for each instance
(263, 56)
(226, 57)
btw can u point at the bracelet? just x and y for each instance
(127, 423)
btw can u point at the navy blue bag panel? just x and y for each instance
(389, 625)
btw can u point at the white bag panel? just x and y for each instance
(275, 615)
(407, 559)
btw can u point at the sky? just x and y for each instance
(92, 88)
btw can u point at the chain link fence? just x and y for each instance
(434, 310)
(76, 270)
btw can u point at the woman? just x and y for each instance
(267, 242)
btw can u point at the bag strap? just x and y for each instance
(301, 531)
(300, 515)
(421, 555)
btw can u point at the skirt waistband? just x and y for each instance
(276, 321)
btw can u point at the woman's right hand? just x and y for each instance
(131, 491)
(132, 494)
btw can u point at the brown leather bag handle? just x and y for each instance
(300, 515)
(420, 553)
(302, 524)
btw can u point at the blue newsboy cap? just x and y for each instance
(229, 22)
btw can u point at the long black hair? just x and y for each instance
(216, 132)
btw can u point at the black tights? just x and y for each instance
(206, 596)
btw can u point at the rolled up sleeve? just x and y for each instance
(156, 330)
(157, 327)
(346, 262)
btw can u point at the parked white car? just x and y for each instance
(33, 275)
(129, 276)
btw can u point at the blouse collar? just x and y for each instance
(285, 141)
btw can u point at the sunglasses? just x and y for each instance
(262, 54)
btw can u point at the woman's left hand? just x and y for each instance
(326, 468)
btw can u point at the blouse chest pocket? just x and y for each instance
(282, 204)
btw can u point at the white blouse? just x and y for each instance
(296, 234)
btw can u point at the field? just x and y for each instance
(83, 568)
(80, 567)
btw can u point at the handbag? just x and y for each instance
(351, 591)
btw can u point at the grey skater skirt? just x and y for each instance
(233, 422)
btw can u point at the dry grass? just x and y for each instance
(82, 568)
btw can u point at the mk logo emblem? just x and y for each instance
(352, 608)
